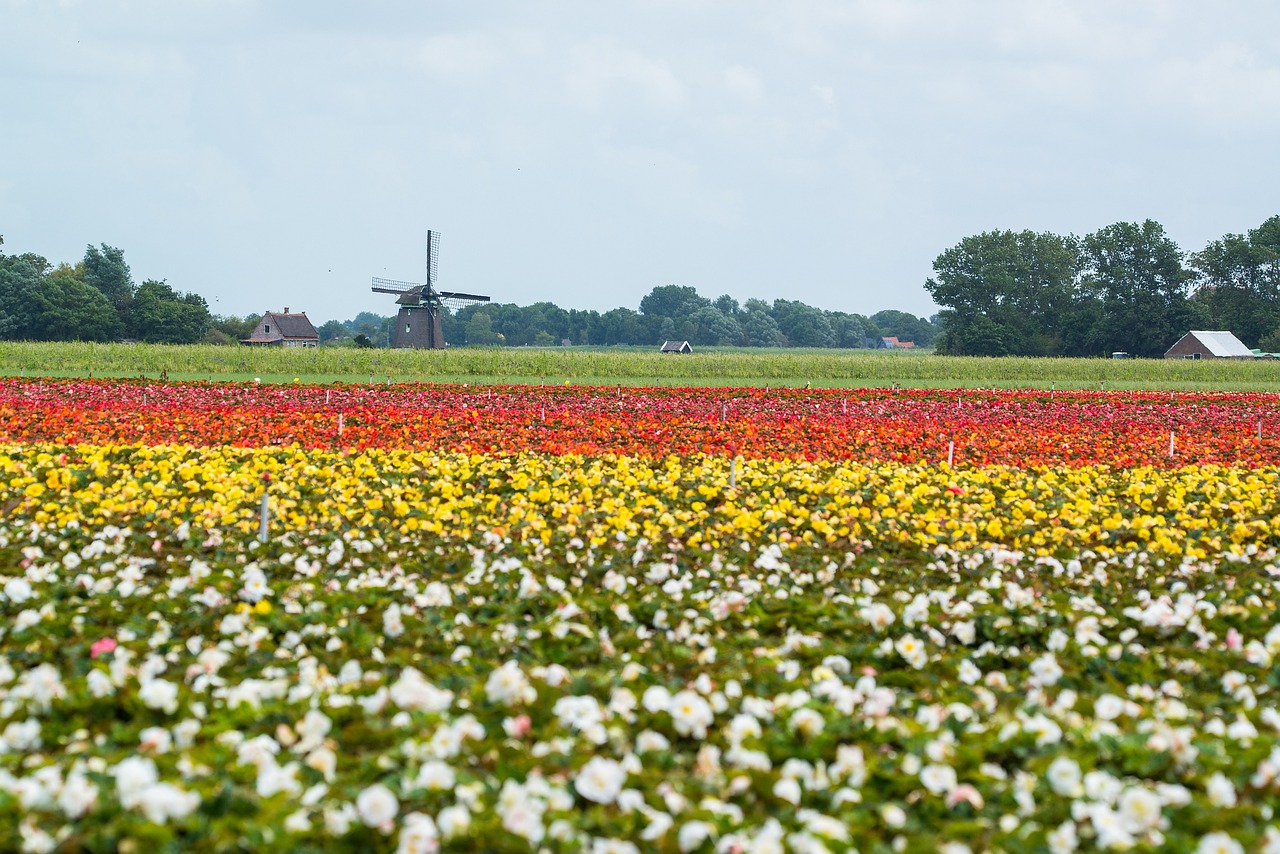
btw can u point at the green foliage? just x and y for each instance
(67, 309)
(636, 367)
(160, 315)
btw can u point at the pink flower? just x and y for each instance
(103, 646)
(966, 794)
(517, 727)
(1234, 640)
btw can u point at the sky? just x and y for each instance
(271, 154)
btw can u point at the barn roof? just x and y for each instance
(675, 346)
(1222, 344)
(294, 325)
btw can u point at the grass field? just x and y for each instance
(605, 366)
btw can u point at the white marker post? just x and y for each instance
(951, 452)
(733, 471)
(1171, 443)
(264, 517)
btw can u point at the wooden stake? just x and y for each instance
(1171, 443)
(339, 425)
(733, 472)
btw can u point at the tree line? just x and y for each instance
(1126, 287)
(667, 313)
(94, 299)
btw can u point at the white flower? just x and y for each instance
(1221, 792)
(392, 624)
(879, 615)
(41, 685)
(78, 795)
(418, 835)
(1045, 670)
(509, 686)
(1218, 843)
(655, 699)
(435, 595)
(600, 780)
(412, 692)
(133, 776)
(436, 776)
(787, 789)
(1139, 809)
(159, 694)
(938, 779)
(18, 590)
(100, 684)
(21, 736)
(1065, 778)
(692, 834)
(160, 802)
(912, 651)
(1108, 707)
(690, 714)
(454, 821)
(969, 673)
(255, 584)
(807, 722)
(338, 820)
(377, 807)
(1063, 839)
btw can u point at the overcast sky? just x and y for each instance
(266, 154)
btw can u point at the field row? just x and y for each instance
(965, 427)
(511, 654)
(850, 368)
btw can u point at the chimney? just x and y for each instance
(286, 309)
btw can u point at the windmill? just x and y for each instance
(418, 323)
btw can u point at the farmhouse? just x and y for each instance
(1209, 345)
(282, 329)
(676, 347)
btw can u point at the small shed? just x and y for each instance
(1201, 344)
(676, 347)
(283, 329)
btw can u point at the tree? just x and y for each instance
(1012, 288)
(106, 271)
(1238, 282)
(728, 305)
(759, 326)
(332, 330)
(20, 276)
(480, 331)
(674, 301)
(1136, 272)
(803, 325)
(67, 309)
(160, 315)
(714, 327)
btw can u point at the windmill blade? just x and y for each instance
(453, 295)
(433, 256)
(391, 286)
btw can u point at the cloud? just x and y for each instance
(603, 72)
(743, 84)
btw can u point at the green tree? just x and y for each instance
(1013, 288)
(106, 271)
(67, 309)
(160, 315)
(803, 325)
(1238, 282)
(480, 331)
(332, 330)
(759, 326)
(714, 327)
(674, 301)
(1136, 272)
(20, 276)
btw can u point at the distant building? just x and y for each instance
(282, 329)
(1199, 344)
(676, 347)
(889, 342)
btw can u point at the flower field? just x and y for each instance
(510, 618)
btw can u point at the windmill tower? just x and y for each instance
(418, 323)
